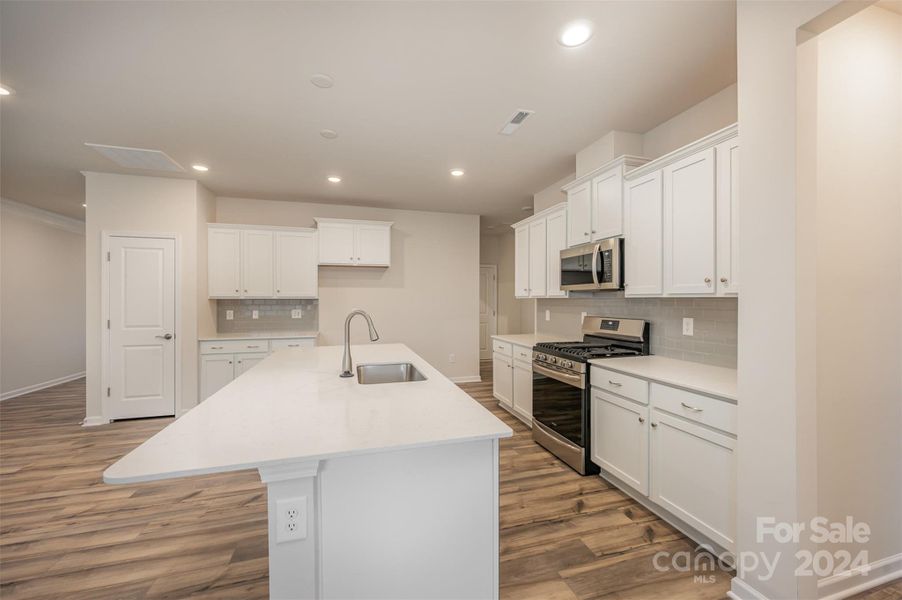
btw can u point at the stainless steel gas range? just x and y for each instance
(561, 384)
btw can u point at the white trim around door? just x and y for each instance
(108, 240)
(488, 309)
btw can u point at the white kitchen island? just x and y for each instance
(395, 484)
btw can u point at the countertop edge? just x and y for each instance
(715, 391)
(259, 336)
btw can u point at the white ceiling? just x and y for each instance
(419, 88)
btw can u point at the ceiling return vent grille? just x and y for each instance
(516, 120)
(137, 158)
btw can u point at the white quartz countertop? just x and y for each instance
(527, 339)
(293, 406)
(706, 379)
(258, 335)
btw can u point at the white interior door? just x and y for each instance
(141, 366)
(488, 309)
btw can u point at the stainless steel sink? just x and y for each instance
(388, 373)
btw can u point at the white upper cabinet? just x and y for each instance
(642, 248)
(555, 241)
(257, 264)
(689, 225)
(247, 262)
(521, 261)
(538, 279)
(224, 263)
(354, 243)
(607, 205)
(727, 158)
(579, 214)
(296, 264)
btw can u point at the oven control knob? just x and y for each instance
(567, 363)
(541, 356)
(552, 360)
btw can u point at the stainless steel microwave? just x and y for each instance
(595, 266)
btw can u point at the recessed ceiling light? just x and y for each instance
(84, 205)
(457, 172)
(5, 91)
(329, 134)
(334, 179)
(321, 80)
(576, 34)
(200, 168)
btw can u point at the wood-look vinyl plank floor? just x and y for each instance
(65, 534)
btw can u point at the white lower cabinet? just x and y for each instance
(620, 438)
(678, 451)
(512, 378)
(243, 362)
(216, 370)
(693, 476)
(523, 390)
(503, 379)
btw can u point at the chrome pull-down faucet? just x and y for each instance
(374, 336)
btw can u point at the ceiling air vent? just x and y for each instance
(137, 158)
(513, 124)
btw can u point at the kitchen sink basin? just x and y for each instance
(388, 373)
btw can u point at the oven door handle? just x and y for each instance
(574, 380)
(595, 252)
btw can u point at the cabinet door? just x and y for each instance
(579, 214)
(216, 371)
(296, 264)
(373, 245)
(522, 392)
(555, 241)
(521, 262)
(620, 439)
(243, 362)
(224, 263)
(693, 475)
(727, 159)
(503, 379)
(607, 205)
(336, 243)
(689, 225)
(538, 260)
(642, 252)
(257, 264)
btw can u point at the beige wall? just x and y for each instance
(206, 308)
(859, 330)
(129, 203)
(607, 148)
(552, 194)
(499, 250)
(709, 115)
(427, 299)
(42, 298)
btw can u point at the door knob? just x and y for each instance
(167, 336)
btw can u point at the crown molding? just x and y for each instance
(541, 214)
(626, 162)
(45, 217)
(704, 143)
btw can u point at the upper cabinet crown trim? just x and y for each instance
(260, 227)
(709, 141)
(541, 214)
(627, 160)
(355, 221)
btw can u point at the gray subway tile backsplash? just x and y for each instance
(715, 322)
(272, 315)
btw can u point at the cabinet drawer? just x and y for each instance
(719, 414)
(504, 348)
(623, 385)
(522, 353)
(292, 343)
(232, 346)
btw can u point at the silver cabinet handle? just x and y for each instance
(707, 280)
(167, 336)
(642, 419)
(654, 424)
(293, 345)
(692, 408)
(230, 362)
(585, 233)
(723, 279)
(236, 290)
(216, 347)
(253, 346)
(614, 383)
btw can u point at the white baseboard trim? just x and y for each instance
(95, 421)
(854, 581)
(467, 379)
(41, 386)
(740, 590)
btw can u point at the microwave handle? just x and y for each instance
(595, 252)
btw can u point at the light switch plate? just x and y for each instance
(230, 315)
(547, 315)
(582, 317)
(295, 313)
(255, 314)
(688, 326)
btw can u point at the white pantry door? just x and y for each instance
(488, 309)
(141, 327)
